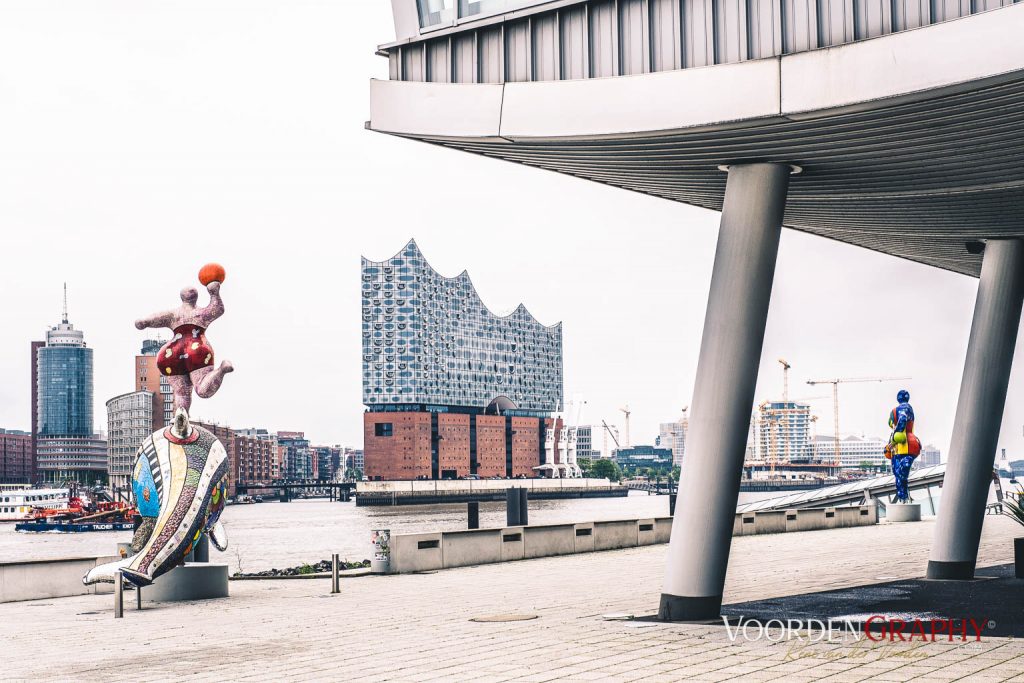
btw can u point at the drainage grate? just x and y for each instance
(501, 618)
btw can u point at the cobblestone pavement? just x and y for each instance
(418, 628)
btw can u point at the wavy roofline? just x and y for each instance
(464, 274)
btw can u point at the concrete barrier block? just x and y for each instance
(770, 522)
(847, 517)
(416, 553)
(663, 529)
(809, 520)
(477, 546)
(513, 545)
(549, 540)
(584, 537)
(615, 534)
(830, 519)
(869, 513)
(746, 520)
(646, 533)
(44, 579)
(792, 520)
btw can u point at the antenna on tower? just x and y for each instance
(65, 319)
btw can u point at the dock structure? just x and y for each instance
(851, 493)
(905, 142)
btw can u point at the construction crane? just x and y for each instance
(785, 378)
(608, 431)
(837, 461)
(627, 413)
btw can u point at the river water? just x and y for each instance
(278, 535)
(273, 534)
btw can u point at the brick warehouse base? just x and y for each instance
(450, 445)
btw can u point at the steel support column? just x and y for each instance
(730, 351)
(979, 411)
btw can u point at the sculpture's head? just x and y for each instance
(903, 396)
(190, 296)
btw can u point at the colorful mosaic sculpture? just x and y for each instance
(903, 445)
(187, 359)
(181, 472)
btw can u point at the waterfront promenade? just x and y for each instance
(418, 627)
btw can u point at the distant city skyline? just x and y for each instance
(289, 190)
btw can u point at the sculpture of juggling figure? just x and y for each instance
(187, 360)
(181, 472)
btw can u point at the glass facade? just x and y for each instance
(65, 391)
(443, 12)
(430, 340)
(436, 12)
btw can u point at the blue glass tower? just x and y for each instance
(64, 368)
(65, 446)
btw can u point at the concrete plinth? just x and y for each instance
(903, 512)
(192, 581)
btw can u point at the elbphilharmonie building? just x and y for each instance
(430, 340)
(451, 388)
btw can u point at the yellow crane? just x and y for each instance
(835, 401)
(785, 378)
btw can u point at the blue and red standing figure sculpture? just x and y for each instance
(904, 445)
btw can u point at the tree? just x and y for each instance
(586, 466)
(675, 472)
(604, 468)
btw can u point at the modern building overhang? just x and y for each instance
(911, 144)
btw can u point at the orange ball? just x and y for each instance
(211, 272)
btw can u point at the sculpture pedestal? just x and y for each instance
(903, 512)
(192, 581)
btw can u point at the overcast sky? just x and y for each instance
(141, 139)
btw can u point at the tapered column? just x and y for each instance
(730, 352)
(979, 411)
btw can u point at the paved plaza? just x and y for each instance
(419, 627)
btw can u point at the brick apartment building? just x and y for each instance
(16, 457)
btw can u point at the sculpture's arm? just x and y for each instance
(164, 319)
(215, 308)
(901, 419)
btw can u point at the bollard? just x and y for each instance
(512, 507)
(118, 595)
(474, 514)
(671, 504)
(335, 579)
(381, 562)
(138, 597)
(524, 506)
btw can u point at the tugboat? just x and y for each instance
(80, 515)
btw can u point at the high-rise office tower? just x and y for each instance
(66, 447)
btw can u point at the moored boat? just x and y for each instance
(20, 504)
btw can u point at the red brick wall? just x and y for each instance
(15, 458)
(453, 447)
(525, 446)
(490, 446)
(256, 459)
(403, 455)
